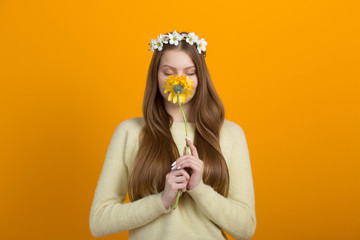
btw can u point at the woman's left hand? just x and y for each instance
(194, 163)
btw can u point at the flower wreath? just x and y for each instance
(174, 38)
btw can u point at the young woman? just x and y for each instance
(143, 159)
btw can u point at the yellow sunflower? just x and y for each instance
(178, 85)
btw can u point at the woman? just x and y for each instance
(143, 159)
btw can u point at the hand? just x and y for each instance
(194, 163)
(175, 180)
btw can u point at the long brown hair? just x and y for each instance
(157, 149)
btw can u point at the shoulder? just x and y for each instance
(131, 124)
(231, 129)
(128, 131)
(232, 137)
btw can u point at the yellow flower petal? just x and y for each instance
(171, 96)
(188, 93)
(184, 81)
(182, 98)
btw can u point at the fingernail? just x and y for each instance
(178, 167)
(173, 164)
(173, 167)
(187, 138)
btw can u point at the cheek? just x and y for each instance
(195, 85)
(161, 83)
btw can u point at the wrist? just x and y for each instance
(164, 202)
(197, 187)
(193, 187)
(160, 204)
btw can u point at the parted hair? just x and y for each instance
(157, 149)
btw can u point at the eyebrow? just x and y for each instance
(175, 68)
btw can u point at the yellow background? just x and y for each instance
(288, 72)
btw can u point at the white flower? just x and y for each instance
(152, 44)
(192, 38)
(180, 36)
(164, 38)
(175, 38)
(158, 44)
(201, 45)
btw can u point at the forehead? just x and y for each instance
(177, 59)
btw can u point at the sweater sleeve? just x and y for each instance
(236, 213)
(108, 214)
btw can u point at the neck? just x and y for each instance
(175, 112)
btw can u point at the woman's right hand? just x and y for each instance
(175, 180)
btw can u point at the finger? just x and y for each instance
(179, 158)
(178, 173)
(178, 186)
(192, 148)
(180, 179)
(177, 181)
(183, 157)
(186, 159)
(194, 167)
(191, 163)
(175, 164)
(184, 152)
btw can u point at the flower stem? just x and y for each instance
(186, 124)
(177, 199)
(186, 148)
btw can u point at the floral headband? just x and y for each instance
(174, 38)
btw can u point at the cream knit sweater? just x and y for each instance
(201, 213)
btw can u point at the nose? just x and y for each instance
(180, 73)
